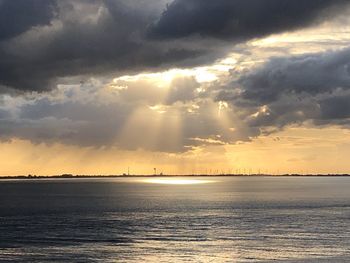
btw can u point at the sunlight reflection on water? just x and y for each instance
(176, 181)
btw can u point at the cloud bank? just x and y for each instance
(287, 90)
(42, 43)
(239, 19)
(62, 64)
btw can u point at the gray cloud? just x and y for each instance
(68, 41)
(72, 123)
(238, 19)
(335, 107)
(91, 115)
(182, 89)
(86, 38)
(295, 89)
(311, 73)
(283, 91)
(19, 16)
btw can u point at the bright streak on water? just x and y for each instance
(176, 181)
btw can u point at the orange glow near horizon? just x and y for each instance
(297, 150)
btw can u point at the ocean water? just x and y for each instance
(216, 219)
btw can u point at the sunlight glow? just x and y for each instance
(175, 181)
(164, 79)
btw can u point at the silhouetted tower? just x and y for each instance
(155, 171)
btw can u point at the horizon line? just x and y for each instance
(72, 176)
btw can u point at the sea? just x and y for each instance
(177, 219)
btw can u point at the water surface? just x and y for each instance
(211, 219)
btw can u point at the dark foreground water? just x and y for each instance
(259, 219)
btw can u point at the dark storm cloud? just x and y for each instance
(294, 89)
(336, 107)
(44, 42)
(237, 19)
(85, 38)
(17, 16)
(306, 74)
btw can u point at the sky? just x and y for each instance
(184, 86)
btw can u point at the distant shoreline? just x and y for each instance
(70, 176)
